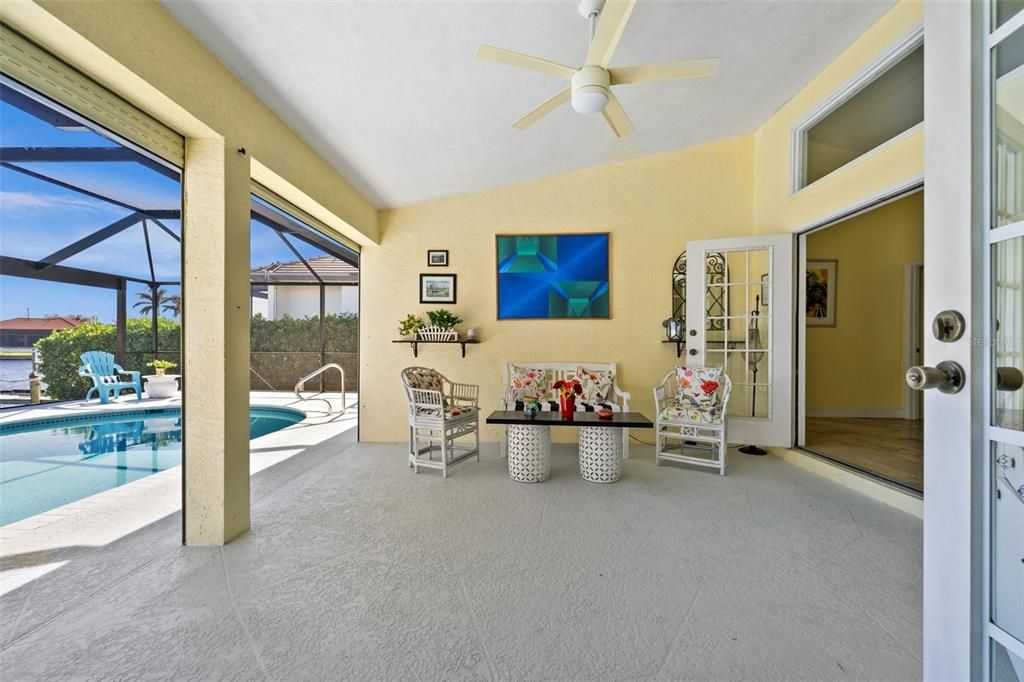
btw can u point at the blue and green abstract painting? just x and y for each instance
(552, 276)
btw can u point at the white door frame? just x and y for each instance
(865, 205)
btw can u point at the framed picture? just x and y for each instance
(553, 276)
(437, 288)
(437, 258)
(821, 293)
(764, 290)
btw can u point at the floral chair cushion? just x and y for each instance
(677, 411)
(698, 386)
(424, 379)
(529, 383)
(450, 412)
(596, 384)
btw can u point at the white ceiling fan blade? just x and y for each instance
(610, 25)
(616, 117)
(524, 61)
(691, 68)
(549, 105)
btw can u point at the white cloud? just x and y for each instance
(23, 201)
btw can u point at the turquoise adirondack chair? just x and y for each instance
(106, 376)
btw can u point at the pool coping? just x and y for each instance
(156, 485)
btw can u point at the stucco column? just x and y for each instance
(216, 341)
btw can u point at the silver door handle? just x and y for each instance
(947, 376)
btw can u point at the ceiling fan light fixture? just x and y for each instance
(590, 100)
(590, 89)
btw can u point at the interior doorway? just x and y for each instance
(861, 322)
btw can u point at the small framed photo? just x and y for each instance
(437, 288)
(437, 258)
(764, 290)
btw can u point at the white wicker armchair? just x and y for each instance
(701, 428)
(440, 411)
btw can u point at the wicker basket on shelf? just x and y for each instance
(434, 333)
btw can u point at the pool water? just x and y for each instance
(47, 464)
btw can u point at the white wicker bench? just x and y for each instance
(618, 401)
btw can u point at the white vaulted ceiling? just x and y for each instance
(391, 95)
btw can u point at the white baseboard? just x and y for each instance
(886, 494)
(855, 413)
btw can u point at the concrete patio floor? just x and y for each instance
(356, 568)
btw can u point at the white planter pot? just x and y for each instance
(161, 386)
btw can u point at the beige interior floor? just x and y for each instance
(891, 448)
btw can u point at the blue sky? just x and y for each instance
(38, 218)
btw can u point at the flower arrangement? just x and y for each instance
(410, 325)
(568, 389)
(161, 366)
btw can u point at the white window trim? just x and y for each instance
(907, 43)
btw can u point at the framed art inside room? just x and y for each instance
(553, 276)
(821, 293)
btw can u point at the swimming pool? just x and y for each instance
(47, 463)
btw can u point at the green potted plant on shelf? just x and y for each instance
(161, 366)
(409, 326)
(442, 326)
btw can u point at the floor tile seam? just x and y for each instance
(79, 604)
(679, 633)
(238, 616)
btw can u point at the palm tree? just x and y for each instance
(172, 305)
(160, 299)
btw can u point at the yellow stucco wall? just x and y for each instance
(651, 206)
(857, 365)
(775, 210)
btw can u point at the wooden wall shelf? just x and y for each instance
(415, 343)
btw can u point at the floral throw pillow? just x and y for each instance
(529, 383)
(425, 379)
(597, 384)
(698, 386)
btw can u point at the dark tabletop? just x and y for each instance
(621, 420)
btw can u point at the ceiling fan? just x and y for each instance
(589, 88)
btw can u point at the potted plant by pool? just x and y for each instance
(161, 366)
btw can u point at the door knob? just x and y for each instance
(947, 376)
(1009, 379)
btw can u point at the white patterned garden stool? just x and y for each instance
(529, 453)
(600, 454)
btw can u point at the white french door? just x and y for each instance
(974, 264)
(739, 316)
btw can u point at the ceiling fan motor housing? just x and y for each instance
(590, 89)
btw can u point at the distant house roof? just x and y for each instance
(39, 324)
(330, 269)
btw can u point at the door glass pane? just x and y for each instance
(1005, 10)
(1008, 124)
(1006, 666)
(1007, 538)
(1008, 333)
(740, 338)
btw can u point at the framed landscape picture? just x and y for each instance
(821, 293)
(437, 288)
(553, 276)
